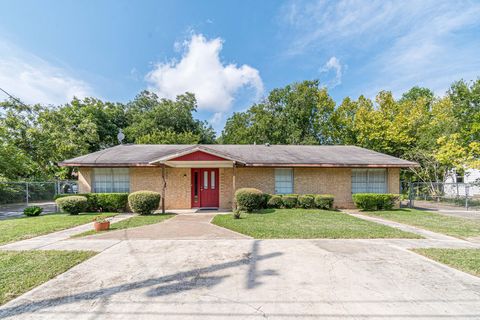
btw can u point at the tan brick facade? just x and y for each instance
(393, 180)
(85, 180)
(336, 181)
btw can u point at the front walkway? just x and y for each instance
(181, 227)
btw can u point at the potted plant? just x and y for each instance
(101, 223)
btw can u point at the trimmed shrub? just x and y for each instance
(375, 201)
(266, 198)
(324, 201)
(102, 202)
(111, 202)
(72, 204)
(289, 201)
(249, 199)
(32, 211)
(275, 201)
(144, 202)
(306, 201)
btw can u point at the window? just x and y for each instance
(205, 179)
(111, 180)
(283, 181)
(369, 180)
(195, 186)
(212, 183)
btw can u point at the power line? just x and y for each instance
(14, 98)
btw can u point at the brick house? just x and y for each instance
(205, 176)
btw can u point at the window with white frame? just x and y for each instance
(369, 180)
(111, 180)
(284, 181)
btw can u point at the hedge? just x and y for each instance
(249, 199)
(72, 204)
(275, 201)
(375, 201)
(306, 201)
(144, 202)
(290, 200)
(102, 202)
(324, 201)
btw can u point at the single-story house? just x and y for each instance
(206, 176)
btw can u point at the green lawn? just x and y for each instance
(20, 271)
(307, 224)
(28, 227)
(467, 260)
(453, 226)
(132, 222)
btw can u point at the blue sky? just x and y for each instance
(231, 53)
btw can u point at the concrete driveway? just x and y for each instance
(251, 279)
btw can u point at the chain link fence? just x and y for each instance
(15, 196)
(437, 194)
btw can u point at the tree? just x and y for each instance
(300, 113)
(154, 120)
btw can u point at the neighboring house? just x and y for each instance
(206, 176)
(460, 185)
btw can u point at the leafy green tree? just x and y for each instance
(154, 120)
(300, 113)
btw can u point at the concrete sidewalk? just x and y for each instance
(404, 227)
(51, 240)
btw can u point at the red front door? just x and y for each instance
(205, 188)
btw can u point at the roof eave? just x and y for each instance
(81, 164)
(331, 165)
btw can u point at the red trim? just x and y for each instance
(198, 156)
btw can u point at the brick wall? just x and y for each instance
(393, 180)
(226, 188)
(260, 178)
(177, 193)
(85, 180)
(336, 181)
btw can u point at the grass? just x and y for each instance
(452, 226)
(467, 260)
(28, 227)
(20, 271)
(132, 222)
(307, 224)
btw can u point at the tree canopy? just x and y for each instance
(441, 133)
(33, 139)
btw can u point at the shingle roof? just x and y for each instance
(249, 155)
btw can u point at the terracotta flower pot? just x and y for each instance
(100, 226)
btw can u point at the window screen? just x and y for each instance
(283, 181)
(111, 180)
(369, 181)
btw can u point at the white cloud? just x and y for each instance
(396, 44)
(216, 119)
(34, 80)
(333, 64)
(201, 72)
